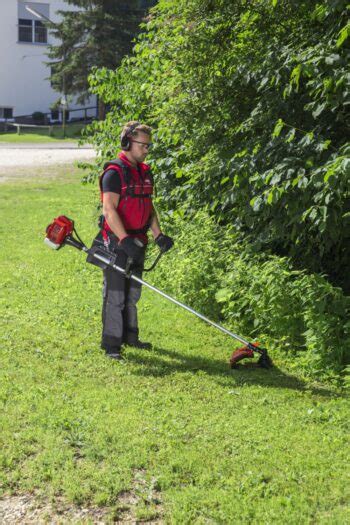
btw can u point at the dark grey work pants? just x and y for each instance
(119, 312)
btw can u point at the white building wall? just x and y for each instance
(24, 85)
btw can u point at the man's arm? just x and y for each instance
(155, 227)
(164, 241)
(110, 204)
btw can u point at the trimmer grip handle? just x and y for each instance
(129, 263)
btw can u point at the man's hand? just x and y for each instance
(164, 242)
(131, 248)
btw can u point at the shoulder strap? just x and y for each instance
(126, 171)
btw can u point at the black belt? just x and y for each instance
(143, 230)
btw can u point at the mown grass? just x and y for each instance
(37, 136)
(195, 441)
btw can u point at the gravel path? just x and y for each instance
(26, 510)
(31, 155)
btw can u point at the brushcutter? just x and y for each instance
(61, 232)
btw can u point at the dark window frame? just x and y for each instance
(6, 112)
(25, 30)
(32, 32)
(40, 32)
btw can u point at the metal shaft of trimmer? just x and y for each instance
(106, 261)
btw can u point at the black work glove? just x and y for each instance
(164, 242)
(130, 246)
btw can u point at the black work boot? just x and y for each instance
(136, 343)
(115, 353)
(143, 345)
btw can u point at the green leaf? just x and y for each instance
(278, 128)
(323, 210)
(251, 202)
(323, 146)
(295, 76)
(328, 175)
(223, 295)
(320, 108)
(290, 136)
(307, 139)
(343, 35)
(257, 203)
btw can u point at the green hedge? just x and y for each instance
(296, 313)
(249, 102)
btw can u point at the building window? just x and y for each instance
(30, 28)
(40, 32)
(6, 112)
(25, 30)
(31, 31)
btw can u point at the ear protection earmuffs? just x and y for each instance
(124, 139)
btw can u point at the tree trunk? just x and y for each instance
(101, 109)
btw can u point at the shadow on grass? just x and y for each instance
(153, 364)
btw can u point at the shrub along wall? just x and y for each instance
(299, 314)
(250, 104)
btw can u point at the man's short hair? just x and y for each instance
(140, 127)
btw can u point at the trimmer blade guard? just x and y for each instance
(239, 354)
(247, 351)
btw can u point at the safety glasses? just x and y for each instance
(147, 145)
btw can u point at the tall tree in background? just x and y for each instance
(99, 35)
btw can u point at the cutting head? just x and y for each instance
(265, 360)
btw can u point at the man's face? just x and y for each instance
(140, 146)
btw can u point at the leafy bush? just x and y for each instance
(262, 297)
(250, 105)
(250, 102)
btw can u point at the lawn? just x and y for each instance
(170, 434)
(73, 132)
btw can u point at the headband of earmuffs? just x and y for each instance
(124, 139)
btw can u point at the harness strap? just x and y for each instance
(126, 173)
(136, 196)
(140, 230)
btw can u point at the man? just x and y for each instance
(128, 213)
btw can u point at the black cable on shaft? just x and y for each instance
(78, 237)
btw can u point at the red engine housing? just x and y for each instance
(59, 229)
